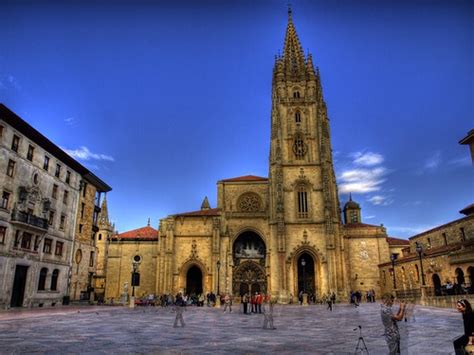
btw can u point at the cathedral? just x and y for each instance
(283, 234)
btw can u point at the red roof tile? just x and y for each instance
(359, 225)
(246, 178)
(140, 233)
(397, 241)
(209, 212)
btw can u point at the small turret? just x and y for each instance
(352, 212)
(205, 204)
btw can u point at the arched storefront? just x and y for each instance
(194, 281)
(249, 252)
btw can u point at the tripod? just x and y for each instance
(360, 348)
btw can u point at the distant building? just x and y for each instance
(447, 260)
(41, 189)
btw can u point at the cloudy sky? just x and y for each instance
(163, 99)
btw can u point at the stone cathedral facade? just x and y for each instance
(282, 234)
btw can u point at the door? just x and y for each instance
(19, 283)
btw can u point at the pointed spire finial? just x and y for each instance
(350, 196)
(205, 204)
(148, 221)
(289, 10)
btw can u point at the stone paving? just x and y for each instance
(300, 330)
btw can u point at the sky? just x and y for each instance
(163, 99)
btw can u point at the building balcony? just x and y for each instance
(24, 218)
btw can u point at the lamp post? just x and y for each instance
(218, 301)
(134, 283)
(419, 250)
(393, 258)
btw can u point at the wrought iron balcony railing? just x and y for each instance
(30, 219)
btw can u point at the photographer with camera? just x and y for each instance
(389, 320)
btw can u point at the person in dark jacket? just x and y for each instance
(463, 306)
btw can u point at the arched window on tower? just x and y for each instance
(299, 147)
(302, 200)
(298, 117)
(296, 94)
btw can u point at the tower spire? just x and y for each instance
(293, 55)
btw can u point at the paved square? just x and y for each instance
(300, 330)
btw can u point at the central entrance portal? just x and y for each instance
(249, 259)
(194, 281)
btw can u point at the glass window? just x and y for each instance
(58, 170)
(42, 279)
(55, 191)
(298, 117)
(26, 241)
(59, 248)
(62, 222)
(31, 151)
(46, 163)
(11, 168)
(47, 245)
(51, 218)
(3, 234)
(65, 197)
(15, 143)
(54, 280)
(68, 177)
(5, 200)
(302, 202)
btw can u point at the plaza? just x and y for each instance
(300, 330)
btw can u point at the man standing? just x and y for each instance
(245, 302)
(389, 320)
(179, 309)
(228, 302)
(268, 313)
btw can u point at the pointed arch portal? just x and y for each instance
(194, 281)
(306, 274)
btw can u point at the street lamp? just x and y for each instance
(419, 250)
(218, 268)
(393, 257)
(303, 264)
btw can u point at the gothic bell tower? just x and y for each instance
(304, 205)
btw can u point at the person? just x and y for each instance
(329, 301)
(180, 307)
(245, 302)
(389, 320)
(268, 313)
(463, 306)
(228, 302)
(258, 302)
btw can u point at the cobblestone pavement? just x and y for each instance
(300, 330)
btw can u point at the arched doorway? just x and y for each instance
(437, 284)
(306, 274)
(470, 272)
(249, 277)
(249, 253)
(459, 276)
(193, 281)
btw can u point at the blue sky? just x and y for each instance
(163, 99)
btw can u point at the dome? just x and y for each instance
(351, 204)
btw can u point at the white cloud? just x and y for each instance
(367, 159)
(70, 121)
(380, 200)
(466, 161)
(83, 153)
(369, 217)
(433, 162)
(362, 180)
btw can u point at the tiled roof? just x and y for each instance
(246, 178)
(359, 225)
(209, 212)
(140, 233)
(397, 241)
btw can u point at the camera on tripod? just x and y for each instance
(361, 348)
